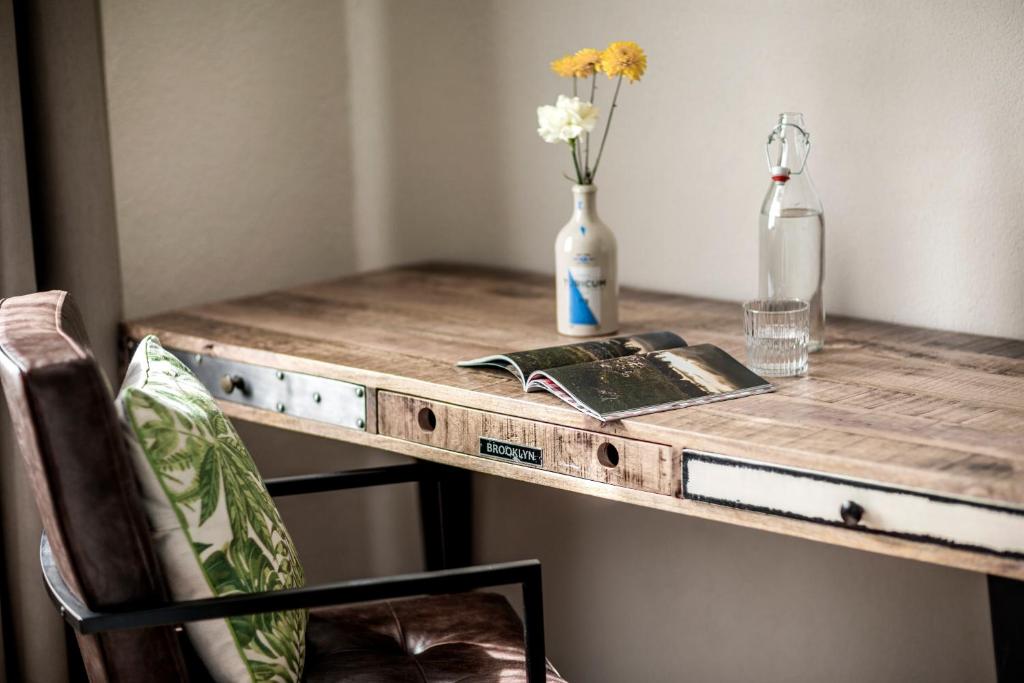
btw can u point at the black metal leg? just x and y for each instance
(76, 665)
(446, 513)
(533, 621)
(1006, 600)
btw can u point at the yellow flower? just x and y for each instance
(564, 66)
(625, 58)
(586, 62)
(583, 64)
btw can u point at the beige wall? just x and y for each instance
(258, 144)
(231, 147)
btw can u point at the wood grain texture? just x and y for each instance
(908, 407)
(638, 464)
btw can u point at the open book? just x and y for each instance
(625, 376)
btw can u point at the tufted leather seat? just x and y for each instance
(465, 638)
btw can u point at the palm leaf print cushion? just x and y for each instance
(215, 528)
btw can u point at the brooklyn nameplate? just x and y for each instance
(524, 455)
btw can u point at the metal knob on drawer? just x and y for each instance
(228, 383)
(851, 513)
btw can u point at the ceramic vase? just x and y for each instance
(586, 270)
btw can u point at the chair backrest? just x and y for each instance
(68, 432)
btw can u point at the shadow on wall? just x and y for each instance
(427, 148)
(231, 145)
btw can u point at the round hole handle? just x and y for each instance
(229, 382)
(426, 419)
(608, 455)
(851, 513)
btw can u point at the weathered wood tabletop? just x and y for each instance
(919, 410)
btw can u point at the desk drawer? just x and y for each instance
(865, 506)
(527, 443)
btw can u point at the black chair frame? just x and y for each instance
(526, 573)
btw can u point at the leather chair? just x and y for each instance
(101, 570)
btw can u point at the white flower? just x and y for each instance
(565, 121)
(551, 121)
(581, 112)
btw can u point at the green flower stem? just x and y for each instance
(607, 125)
(586, 158)
(575, 161)
(580, 168)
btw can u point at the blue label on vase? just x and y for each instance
(585, 287)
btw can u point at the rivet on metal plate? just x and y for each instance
(280, 407)
(316, 397)
(360, 392)
(360, 423)
(280, 375)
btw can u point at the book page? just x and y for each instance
(650, 382)
(524, 363)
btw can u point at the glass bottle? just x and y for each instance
(792, 233)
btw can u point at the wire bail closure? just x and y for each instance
(778, 134)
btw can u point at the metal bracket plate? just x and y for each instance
(292, 393)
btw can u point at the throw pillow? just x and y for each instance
(215, 528)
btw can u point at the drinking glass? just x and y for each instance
(777, 331)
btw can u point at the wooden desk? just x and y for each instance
(922, 423)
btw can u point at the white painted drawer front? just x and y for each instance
(808, 495)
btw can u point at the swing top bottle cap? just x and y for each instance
(780, 173)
